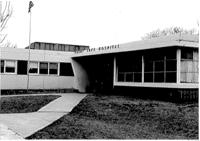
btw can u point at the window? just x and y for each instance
(33, 68)
(21, 67)
(10, 66)
(53, 68)
(2, 66)
(66, 69)
(160, 68)
(187, 54)
(43, 68)
(131, 72)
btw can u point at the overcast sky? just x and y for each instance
(97, 22)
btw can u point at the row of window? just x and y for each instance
(157, 67)
(20, 67)
(59, 47)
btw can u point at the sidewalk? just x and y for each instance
(25, 124)
(7, 134)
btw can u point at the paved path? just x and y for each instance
(7, 134)
(25, 124)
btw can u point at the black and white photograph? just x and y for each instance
(99, 69)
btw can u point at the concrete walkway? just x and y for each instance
(26, 124)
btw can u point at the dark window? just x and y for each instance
(121, 77)
(170, 65)
(148, 66)
(129, 77)
(137, 77)
(148, 77)
(22, 67)
(2, 66)
(53, 68)
(43, 68)
(170, 77)
(159, 66)
(159, 77)
(187, 54)
(66, 69)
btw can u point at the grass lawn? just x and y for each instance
(120, 117)
(24, 104)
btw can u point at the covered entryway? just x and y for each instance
(99, 71)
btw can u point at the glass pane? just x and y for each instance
(148, 77)
(129, 77)
(43, 65)
(159, 77)
(137, 77)
(10, 63)
(170, 65)
(159, 65)
(33, 70)
(53, 66)
(121, 77)
(171, 77)
(33, 64)
(186, 54)
(10, 69)
(53, 71)
(148, 66)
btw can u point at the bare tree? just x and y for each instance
(5, 14)
(169, 31)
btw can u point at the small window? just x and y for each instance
(66, 69)
(187, 54)
(2, 66)
(10, 66)
(33, 68)
(43, 68)
(21, 67)
(53, 68)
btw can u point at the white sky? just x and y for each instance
(97, 22)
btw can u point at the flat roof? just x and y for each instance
(177, 40)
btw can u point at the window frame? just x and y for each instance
(57, 68)
(47, 68)
(15, 67)
(37, 68)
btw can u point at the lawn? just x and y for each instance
(119, 117)
(24, 104)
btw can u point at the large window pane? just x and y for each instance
(43, 68)
(66, 69)
(53, 68)
(121, 77)
(129, 77)
(148, 77)
(170, 65)
(137, 77)
(159, 77)
(171, 77)
(159, 65)
(148, 66)
(22, 67)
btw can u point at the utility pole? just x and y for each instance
(28, 67)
